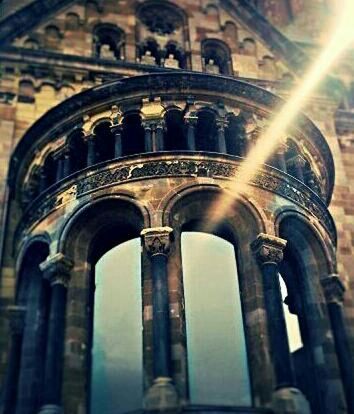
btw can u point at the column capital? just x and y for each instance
(333, 289)
(268, 248)
(191, 119)
(117, 129)
(56, 269)
(16, 315)
(222, 123)
(157, 240)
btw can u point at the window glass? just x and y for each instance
(116, 383)
(217, 357)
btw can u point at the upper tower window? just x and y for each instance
(162, 19)
(216, 57)
(108, 42)
(163, 24)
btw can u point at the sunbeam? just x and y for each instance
(267, 143)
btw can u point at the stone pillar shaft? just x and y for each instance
(162, 394)
(91, 150)
(269, 252)
(157, 244)
(56, 270)
(191, 122)
(16, 316)
(334, 293)
(221, 137)
(148, 138)
(118, 149)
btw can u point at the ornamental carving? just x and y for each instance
(268, 249)
(157, 240)
(333, 288)
(117, 173)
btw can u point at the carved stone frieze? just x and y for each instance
(157, 240)
(122, 171)
(268, 248)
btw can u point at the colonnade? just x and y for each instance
(224, 137)
(268, 251)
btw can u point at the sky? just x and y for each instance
(217, 356)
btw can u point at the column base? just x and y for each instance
(161, 396)
(51, 409)
(290, 401)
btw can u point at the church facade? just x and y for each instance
(123, 120)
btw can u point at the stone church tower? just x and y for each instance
(125, 120)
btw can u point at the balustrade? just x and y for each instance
(199, 130)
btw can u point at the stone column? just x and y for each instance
(42, 180)
(117, 133)
(66, 163)
(221, 125)
(299, 163)
(159, 138)
(16, 316)
(30, 383)
(162, 394)
(334, 293)
(91, 150)
(148, 136)
(57, 270)
(60, 168)
(280, 155)
(191, 122)
(269, 253)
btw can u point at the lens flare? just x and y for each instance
(340, 40)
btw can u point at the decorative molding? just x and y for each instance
(176, 165)
(157, 240)
(56, 269)
(333, 288)
(268, 248)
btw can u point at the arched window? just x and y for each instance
(214, 322)
(216, 57)
(50, 170)
(303, 265)
(206, 134)
(161, 34)
(149, 52)
(174, 56)
(52, 37)
(133, 135)
(174, 138)
(116, 373)
(33, 293)
(108, 42)
(77, 151)
(161, 18)
(235, 136)
(104, 141)
(26, 91)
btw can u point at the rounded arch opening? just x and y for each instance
(108, 41)
(305, 263)
(104, 243)
(216, 57)
(204, 255)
